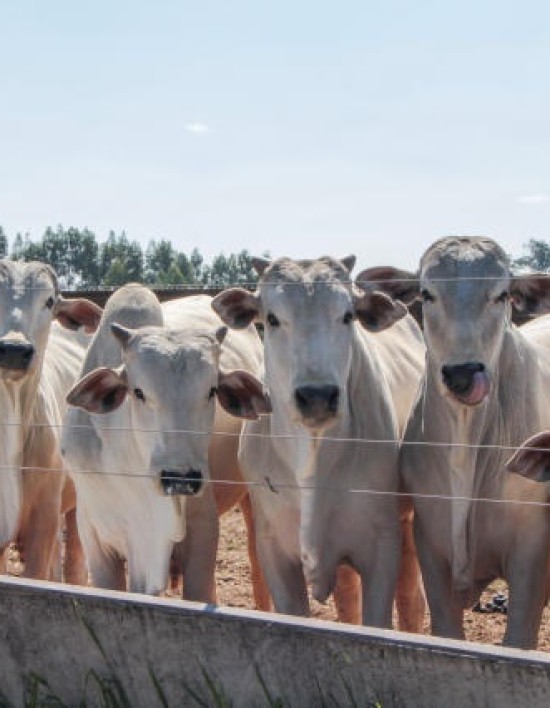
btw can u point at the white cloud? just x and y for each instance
(197, 128)
(534, 199)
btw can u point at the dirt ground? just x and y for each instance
(234, 589)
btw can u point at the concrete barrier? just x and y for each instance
(76, 645)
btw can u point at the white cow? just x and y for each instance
(38, 365)
(341, 380)
(487, 385)
(137, 438)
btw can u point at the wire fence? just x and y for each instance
(218, 287)
(268, 482)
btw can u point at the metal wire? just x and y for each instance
(269, 485)
(198, 288)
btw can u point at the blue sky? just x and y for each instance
(301, 127)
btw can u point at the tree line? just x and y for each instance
(82, 262)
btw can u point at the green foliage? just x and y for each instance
(81, 262)
(3, 243)
(537, 257)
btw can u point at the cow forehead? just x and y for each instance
(478, 259)
(308, 282)
(18, 279)
(160, 352)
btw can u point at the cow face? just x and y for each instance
(29, 300)
(465, 289)
(169, 382)
(308, 309)
(467, 293)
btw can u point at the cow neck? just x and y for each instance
(475, 472)
(18, 400)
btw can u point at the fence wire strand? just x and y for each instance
(198, 288)
(268, 483)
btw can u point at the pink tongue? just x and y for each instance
(479, 391)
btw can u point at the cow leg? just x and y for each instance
(74, 563)
(4, 550)
(260, 591)
(200, 547)
(409, 595)
(527, 569)
(347, 595)
(445, 610)
(525, 605)
(378, 580)
(40, 521)
(285, 578)
(39, 538)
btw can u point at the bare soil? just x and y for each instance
(234, 589)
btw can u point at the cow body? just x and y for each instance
(39, 362)
(124, 458)
(339, 395)
(486, 388)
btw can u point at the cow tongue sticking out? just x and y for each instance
(477, 391)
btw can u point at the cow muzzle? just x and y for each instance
(317, 405)
(15, 355)
(179, 483)
(468, 383)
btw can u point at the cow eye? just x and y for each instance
(213, 391)
(272, 321)
(138, 393)
(347, 318)
(427, 296)
(504, 295)
(50, 303)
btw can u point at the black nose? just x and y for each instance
(460, 379)
(317, 400)
(177, 482)
(15, 355)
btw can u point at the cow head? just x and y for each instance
(169, 380)
(467, 293)
(29, 301)
(308, 309)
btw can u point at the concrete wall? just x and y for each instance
(58, 634)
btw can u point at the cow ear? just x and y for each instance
(376, 311)
(532, 459)
(101, 391)
(242, 395)
(237, 307)
(398, 284)
(348, 262)
(530, 293)
(73, 313)
(260, 264)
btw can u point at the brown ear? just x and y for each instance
(376, 311)
(236, 307)
(73, 313)
(532, 459)
(398, 284)
(242, 395)
(101, 391)
(530, 293)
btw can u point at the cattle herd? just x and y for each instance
(372, 459)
